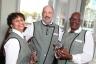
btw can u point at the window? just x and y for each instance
(89, 17)
(32, 9)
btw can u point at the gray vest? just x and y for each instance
(24, 52)
(74, 43)
(43, 39)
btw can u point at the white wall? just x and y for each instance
(7, 6)
(74, 5)
(66, 8)
(0, 11)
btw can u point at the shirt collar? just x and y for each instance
(18, 32)
(45, 23)
(76, 31)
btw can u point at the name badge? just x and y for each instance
(55, 34)
(80, 41)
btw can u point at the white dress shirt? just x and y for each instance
(12, 48)
(88, 49)
(30, 29)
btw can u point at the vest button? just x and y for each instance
(44, 54)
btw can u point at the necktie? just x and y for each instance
(24, 37)
(71, 32)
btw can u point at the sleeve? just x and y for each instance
(11, 51)
(28, 33)
(61, 31)
(87, 55)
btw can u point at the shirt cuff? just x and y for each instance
(76, 58)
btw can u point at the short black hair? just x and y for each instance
(12, 16)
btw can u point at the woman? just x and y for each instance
(16, 48)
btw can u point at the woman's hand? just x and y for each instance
(33, 59)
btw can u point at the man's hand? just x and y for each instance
(63, 54)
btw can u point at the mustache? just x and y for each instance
(47, 17)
